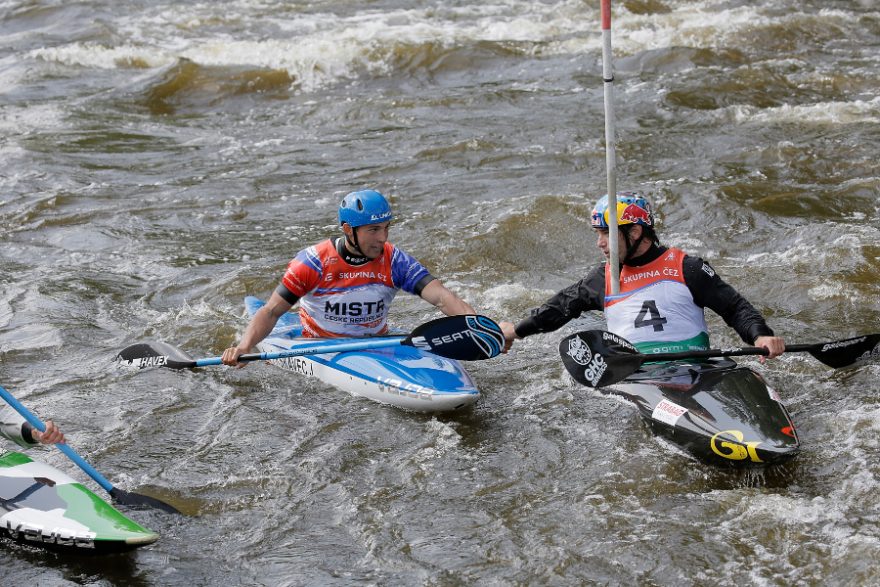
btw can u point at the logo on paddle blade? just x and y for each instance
(594, 363)
(620, 343)
(486, 335)
(874, 353)
(420, 343)
(438, 341)
(579, 351)
(842, 343)
(144, 362)
(594, 371)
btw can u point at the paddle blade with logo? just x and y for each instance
(154, 354)
(464, 338)
(844, 353)
(597, 357)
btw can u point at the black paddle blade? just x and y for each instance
(141, 501)
(596, 357)
(851, 351)
(464, 338)
(154, 354)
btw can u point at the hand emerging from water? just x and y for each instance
(774, 344)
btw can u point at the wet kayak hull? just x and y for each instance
(722, 413)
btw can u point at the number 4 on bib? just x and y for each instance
(650, 316)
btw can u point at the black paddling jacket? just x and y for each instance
(14, 427)
(707, 289)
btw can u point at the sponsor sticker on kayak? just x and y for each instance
(48, 534)
(668, 412)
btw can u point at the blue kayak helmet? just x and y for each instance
(364, 207)
(632, 208)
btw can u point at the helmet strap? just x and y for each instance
(353, 241)
(631, 246)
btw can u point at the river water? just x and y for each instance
(161, 160)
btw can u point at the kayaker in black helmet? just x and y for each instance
(663, 292)
(345, 285)
(16, 429)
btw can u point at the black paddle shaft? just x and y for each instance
(836, 354)
(597, 357)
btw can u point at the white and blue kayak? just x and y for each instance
(41, 506)
(404, 376)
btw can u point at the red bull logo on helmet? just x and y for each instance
(632, 208)
(635, 214)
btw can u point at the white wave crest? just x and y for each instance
(321, 47)
(855, 112)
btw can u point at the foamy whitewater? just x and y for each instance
(163, 160)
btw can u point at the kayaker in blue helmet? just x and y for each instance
(359, 209)
(19, 431)
(663, 291)
(345, 285)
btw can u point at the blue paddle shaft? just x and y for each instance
(71, 454)
(85, 466)
(311, 350)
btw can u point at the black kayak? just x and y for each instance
(722, 413)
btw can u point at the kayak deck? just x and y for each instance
(401, 375)
(41, 506)
(720, 412)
